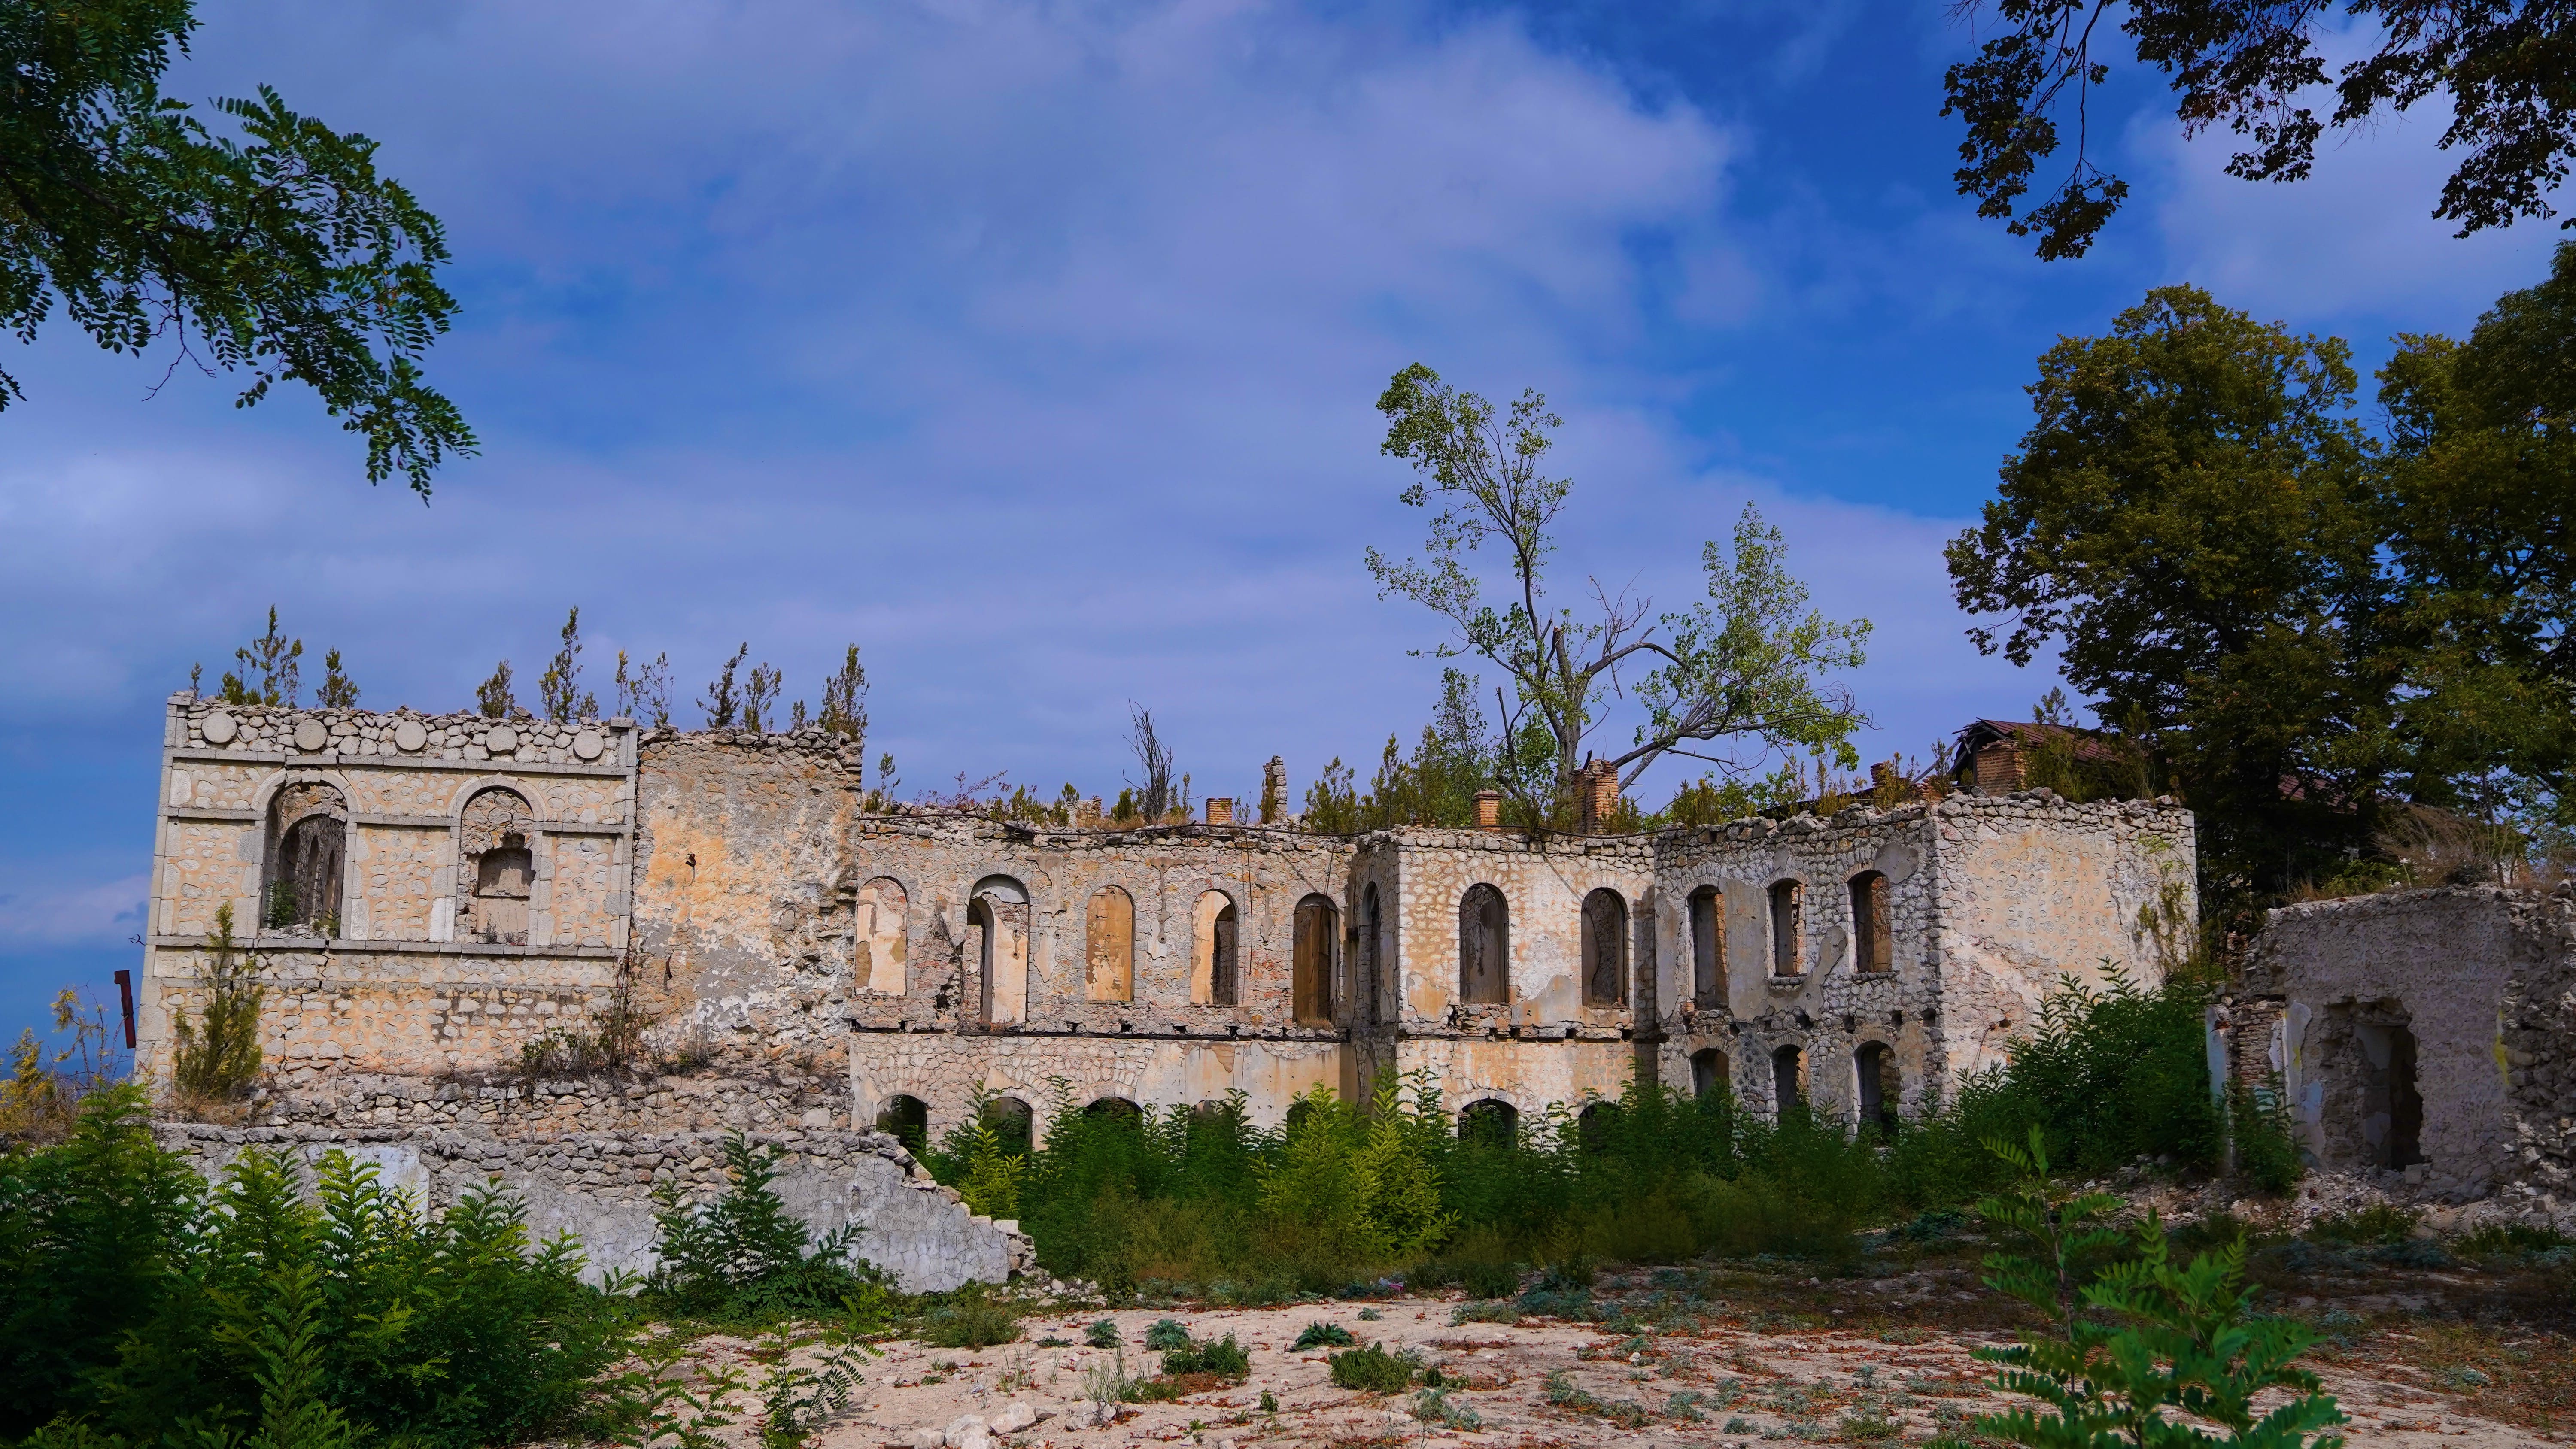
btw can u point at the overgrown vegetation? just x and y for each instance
(1343, 1197)
(741, 1258)
(215, 1060)
(139, 1305)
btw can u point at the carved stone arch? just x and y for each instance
(498, 846)
(1216, 948)
(304, 847)
(998, 920)
(1605, 948)
(1109, 945)
(1484, 946)
(1873, 952)
(1316, 935)
(1786, 900)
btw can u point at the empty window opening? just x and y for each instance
(1874, 1066)
(1788, 922)
(1788, 1078)
(1214, 970)
(879, 932)
(998, 921)
(1870, 947)
(1605, 949)
(907, 1120)
(497, 829)
(1318, 926)
(2392, 1107)
(1484, 947)
(1708, 1072)
(1109, 946)
(1708, 949)
(1371, 968)
(308, 837)
(1491, 1122)
(1114, 1109)
(1012, 1123)
(1594, 1125)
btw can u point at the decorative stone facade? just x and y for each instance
(735, 888)
(2426, 1037)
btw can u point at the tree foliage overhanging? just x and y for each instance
(2308, 624)
(2498, 67)
(276, 249)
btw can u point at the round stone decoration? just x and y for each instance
(586, 744)
(503, 740)
(309, 735)
(409, 736)
(219, 728)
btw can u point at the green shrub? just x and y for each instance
(217, 1058)
(1373, 1370)
(1490, 1280)
(1224, 1358)
(2377, 1223)
(972, 1318)
(742, 1258)
(2498, 1240)
(135, 1303)
(1166, 1334)
(1103, 1334)
(1323, 1335)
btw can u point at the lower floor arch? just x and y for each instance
(906, 1119)
(1710, 1074)
(1876, 1086)
(1491, 1121)
(1788, 1076)
(1012, 1122)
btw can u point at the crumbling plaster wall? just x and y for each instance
(393, 991)
(2485, 981)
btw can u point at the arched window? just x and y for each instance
(1491, 1121)
(1012, 1123)
(1708, 949)
(999, 916)
(308, 839)
(1371, 967)
(497, 829)
(1870, 948)
(907, 1120)
(879, 929)
(1484, 947)
(1213, 968)
(1593, 1125)
(1788, 1077)
(1319, 922)
(1788, 921)
(1605, 948)
(1109, 946)
(1874, 1065)
(1113, 1109)
(1708, 1072)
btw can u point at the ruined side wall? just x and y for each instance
(2030, 889)
(2485, 981)
(598, 1186)
(392, 988)
(1544, 883)
(1831, 1009)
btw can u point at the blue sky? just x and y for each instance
(1032, 347)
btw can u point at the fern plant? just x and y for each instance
(2137, 1337)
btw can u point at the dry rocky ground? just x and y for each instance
(1707, 1355)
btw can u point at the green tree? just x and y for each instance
(2498, 68)
(274, 661)
(273, 247)
(722, 701)
(845, 700)
(644, 692)
(2479, 509)
(1746, 662)
(494, 696)
(338, 690)
(2189, 519)
(559, 691)
(217, 1058)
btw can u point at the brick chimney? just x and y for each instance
(1598, 796)
(1489, 810)
(1220, 810)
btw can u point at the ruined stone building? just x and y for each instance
(2427, 1037)
(439, 901)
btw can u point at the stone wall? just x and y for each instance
(598, 1187)
(2480, 982)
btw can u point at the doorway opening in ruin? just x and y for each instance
(1371, 969)
(1874, 1067)
(1318, 925)
(1871, 951)
(1592, 1127)
(2392, 1107)
(1490, 1121)
(907, 1120)
(1788, 1077)
(308, 839)
(1012, 1122)
(1709, 1074)
(1484, 947)
(1788, 911)
(1114, 1109)
(1605, 948)
(1708, 949)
